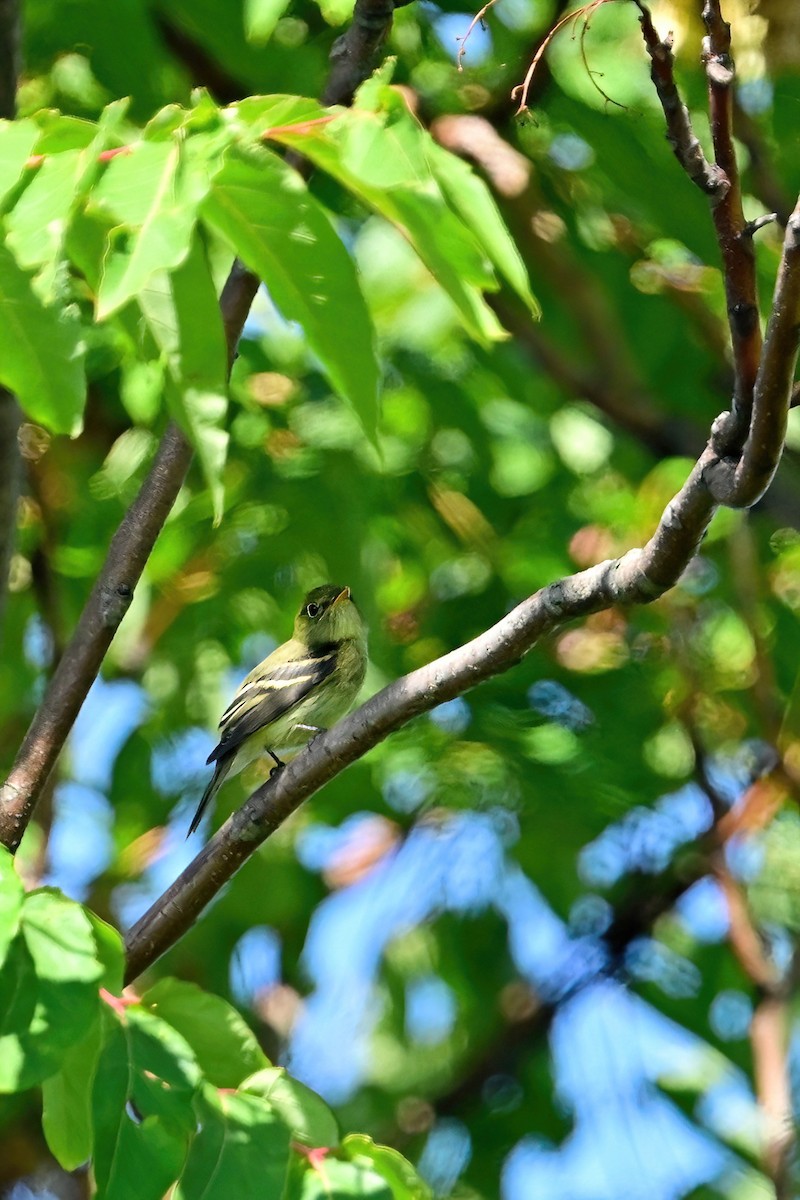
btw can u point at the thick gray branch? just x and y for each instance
(639, 577)
(742, 482)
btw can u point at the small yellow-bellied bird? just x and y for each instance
(300, 689)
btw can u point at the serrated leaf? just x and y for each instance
(241, 1149)
(306, 1115)
(183, 316)
(225, 1047)
(67, 1101)
(262, 207)
(153, 193)
(260, 18)
(41, 352)
(11, 897)
(17, 139)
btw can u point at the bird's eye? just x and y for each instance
(312, 609)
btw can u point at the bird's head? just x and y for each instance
(328, 614)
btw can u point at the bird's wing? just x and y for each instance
(269, 692)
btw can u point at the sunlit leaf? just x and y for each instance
(264, 210)
(41, 352)
(225, 1047)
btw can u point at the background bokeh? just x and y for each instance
(509, 940)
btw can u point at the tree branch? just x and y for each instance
(352, 59)
(741, 483)
(109, 601)
(769, 1030)
(640, 576)
(736, 247)
(353, 54)
(10, 416)
(10, 475)
(710, 178)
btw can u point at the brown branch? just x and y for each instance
(741, 483)
(763, 380)
(720, 182)
(10, 473)
(9, 57)
(769, 1030)
(680, 135)
(10, 462)
(639, 576)
(738, 259)
(101, 616)
(353, 54)
(769, 1035)
(352, 58)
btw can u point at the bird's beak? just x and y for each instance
(344, 594)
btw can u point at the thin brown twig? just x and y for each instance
(522, 89)
(592, 75)
(462, 41)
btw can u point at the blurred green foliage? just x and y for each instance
(465, 887)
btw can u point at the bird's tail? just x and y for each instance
(220, 771)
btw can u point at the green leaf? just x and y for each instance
(41, 352)
(49, 982)
(37, 222)
(397, 1171)
(469, 196)
(332, 1179)
(110, 951)
(382, 158)
(306, 1115)
(183, 316)
(11, 897)
(261, 17)
(38, 225)
(153, 193)
(241, 1150)
(67, 1101)
(59, 132)
(17, 139)
(262, 207)
(142, 1107)
(225, 1047)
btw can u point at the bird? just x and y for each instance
(300, 689)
